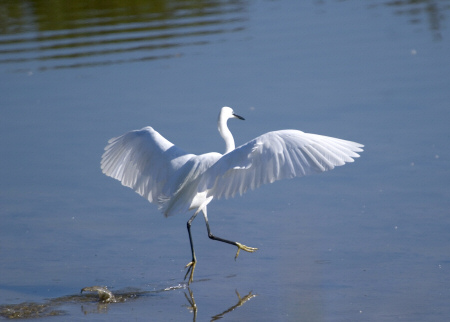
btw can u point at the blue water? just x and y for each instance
(365, 242)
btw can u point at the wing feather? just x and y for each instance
(144, 161)
(275, 156)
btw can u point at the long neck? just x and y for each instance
(226, 135)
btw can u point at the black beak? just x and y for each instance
(238, 117)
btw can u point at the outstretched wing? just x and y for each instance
(144, 161)
(275, 156)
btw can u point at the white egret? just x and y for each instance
(178, 181)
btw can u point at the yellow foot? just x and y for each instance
(191, 267)
(243, 247)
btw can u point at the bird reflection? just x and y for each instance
(193, 306)
(241, 302)
(97, 299)
(106, 297)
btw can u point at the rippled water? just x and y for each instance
(368, 241)
(44, 36)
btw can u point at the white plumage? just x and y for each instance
(178, 181)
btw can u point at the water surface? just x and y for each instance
(368, 241)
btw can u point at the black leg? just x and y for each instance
(238, 245)
(191, 265)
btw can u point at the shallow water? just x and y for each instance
(367, 241)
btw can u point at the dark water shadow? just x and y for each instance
(431, 13)
(97, 300)
(48, 35)
(62, 34)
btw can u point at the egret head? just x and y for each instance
(228, 113)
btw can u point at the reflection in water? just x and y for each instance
(65, 34)
(193, 306)
(416, 10)
(36, 34)
(102, 298)
(241, 301)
